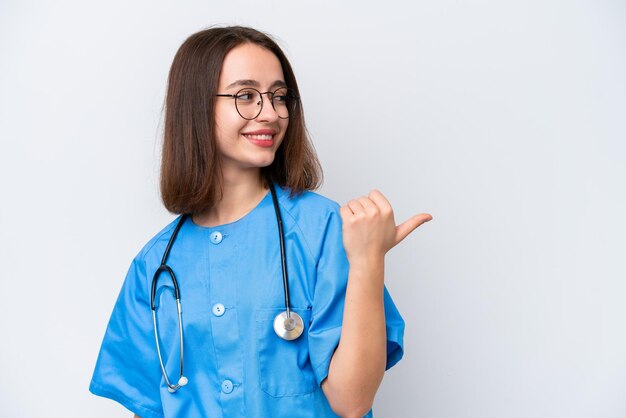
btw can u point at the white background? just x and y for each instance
(505, 120)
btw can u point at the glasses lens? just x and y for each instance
(284, 102)
(248, 102)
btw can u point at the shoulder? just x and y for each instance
(307, 205)
(305, 201)
(314, 217)
(155, 247)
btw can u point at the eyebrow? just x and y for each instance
(254, 83)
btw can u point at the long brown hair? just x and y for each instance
(190, 168)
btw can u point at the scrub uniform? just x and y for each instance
(231, 289)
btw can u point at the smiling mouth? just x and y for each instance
(264, 137)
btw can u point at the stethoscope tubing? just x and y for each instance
(287, 325)
(182, 380)
(281, 236)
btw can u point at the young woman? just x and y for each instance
(283, 310)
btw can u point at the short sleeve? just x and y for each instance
(329, 300)
(395, 332)
(125, 369)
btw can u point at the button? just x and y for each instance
(216, 237)
(227, 386)
(218, 309)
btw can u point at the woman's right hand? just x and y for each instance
(369, 228)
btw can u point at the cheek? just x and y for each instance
(227, 127)
(284, 124)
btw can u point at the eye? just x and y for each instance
(245, 96)
(281, 96)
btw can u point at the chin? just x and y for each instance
(263, 161)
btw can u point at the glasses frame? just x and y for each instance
(270, 94)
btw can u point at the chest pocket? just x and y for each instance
(284, 366)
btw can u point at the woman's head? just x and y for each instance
(252, 111)
(204, 133)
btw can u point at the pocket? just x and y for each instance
(284, 366)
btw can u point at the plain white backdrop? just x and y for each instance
(505, 120)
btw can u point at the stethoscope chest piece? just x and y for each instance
(288, 326)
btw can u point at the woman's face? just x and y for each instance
(248, 144)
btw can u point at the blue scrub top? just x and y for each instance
(231, 289)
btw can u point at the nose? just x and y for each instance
(268, 114)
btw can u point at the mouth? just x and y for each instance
(259, 137)
(262, 138)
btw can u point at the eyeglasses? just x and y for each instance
(249, 102)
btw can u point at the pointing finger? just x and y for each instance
(410, 225)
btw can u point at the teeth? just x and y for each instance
(260, 137)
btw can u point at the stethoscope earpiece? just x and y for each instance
(181, 382)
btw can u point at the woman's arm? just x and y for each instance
(358, 364)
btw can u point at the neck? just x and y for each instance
(241, 194)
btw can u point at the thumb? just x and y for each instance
(410, 225)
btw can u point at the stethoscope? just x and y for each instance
(288, 325)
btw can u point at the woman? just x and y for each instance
(238, 162)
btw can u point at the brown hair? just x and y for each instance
(190, 167)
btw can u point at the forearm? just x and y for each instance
(358, 364)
